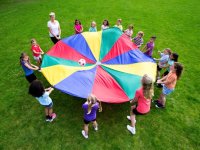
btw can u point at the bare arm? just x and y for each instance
(49, 90)
(134, 100)
(41, 51)
(52, 33)
(32, 67)
(144, 48)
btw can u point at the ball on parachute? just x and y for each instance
(82, 62)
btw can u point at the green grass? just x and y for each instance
(176, 23)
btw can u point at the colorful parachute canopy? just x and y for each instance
(113, 70)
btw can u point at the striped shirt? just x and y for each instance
(138, 41)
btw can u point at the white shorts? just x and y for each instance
(37, 58)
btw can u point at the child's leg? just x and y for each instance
(86, 128)
(162, 99)
(95, 124)
(46, 111)
(132, 117)
(132, 107)
(50, 111)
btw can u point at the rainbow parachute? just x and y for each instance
(113, 69)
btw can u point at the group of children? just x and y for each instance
(143, 96)
(138, 39)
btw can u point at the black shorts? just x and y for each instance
(54, 40)
(87, 122)
(136, 112)
(158, 68)
(31, 77)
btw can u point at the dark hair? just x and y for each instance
(107, 23)
(36, 89)
(179, 68)
(153, 37)
(76, 21)
(175, 57)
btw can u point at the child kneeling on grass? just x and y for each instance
(90, 108)
(38, 91)
(143, 98)
(168, 82)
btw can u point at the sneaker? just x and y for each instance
(158, 105)
(83, 133)
(131, 129)
(129, 118)
(48, 119)
(95, 128)
(155, 101)
(53, 116)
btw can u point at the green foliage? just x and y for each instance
(176, 25)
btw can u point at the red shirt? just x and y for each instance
(143, 103)
(36, 48)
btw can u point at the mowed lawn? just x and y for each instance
(176, 23)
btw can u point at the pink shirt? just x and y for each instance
(78, 28)
(143, 103)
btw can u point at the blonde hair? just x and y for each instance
(92, 100)
(141, 33)
(33, 40)
(148, 89)
(119, 20)
(130, 26)
(93, 22)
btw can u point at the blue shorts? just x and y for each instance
(49, 106)
(166, 91)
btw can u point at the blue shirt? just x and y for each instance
(170, 62)
(44, 99)
(27, 71)
(92, 29)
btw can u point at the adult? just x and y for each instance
(54, 28)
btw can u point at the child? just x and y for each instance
(118, 24)
(163, 60)
(172, 58)
(129, 31)
(37, 52)
(143, 98)
(90, 108)
(105, 25)
(28, 67)
(169, 83)
(150, 46)
(93, 27)
(78, 27)
(37, 90)
(138, 40)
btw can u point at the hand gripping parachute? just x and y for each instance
(112, 71)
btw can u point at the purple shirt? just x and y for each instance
(150, 47)
(92, 115)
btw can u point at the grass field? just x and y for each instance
(176, 23)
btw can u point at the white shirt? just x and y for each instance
(44, 99)
(54, 26)
(103, 27)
